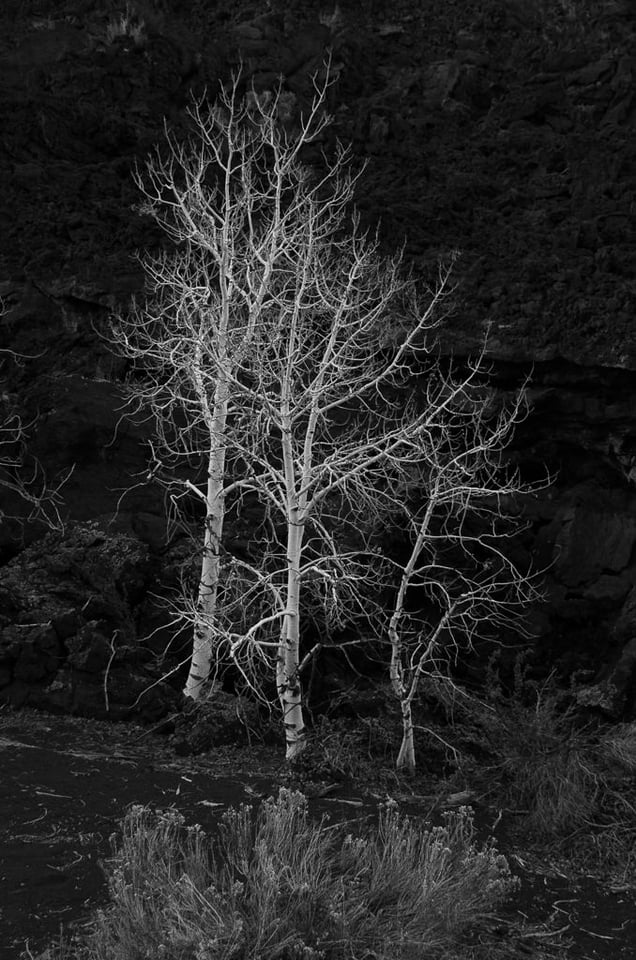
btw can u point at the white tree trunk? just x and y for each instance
(203, 640)
(288, 680)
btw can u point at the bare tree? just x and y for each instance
(276, 349)
(459, 577)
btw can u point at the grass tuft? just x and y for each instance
(541, 761)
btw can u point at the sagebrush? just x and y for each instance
(275, 885)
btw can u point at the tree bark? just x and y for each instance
(288, 680)
(203, 640)
(406, 756)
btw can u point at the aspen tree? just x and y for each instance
(467, 506)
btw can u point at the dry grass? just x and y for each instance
(549, 773)
(541, 762)
(573, 783)
(618, 747)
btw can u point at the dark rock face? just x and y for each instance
(503, 130)
(583, 526)
(69, 636)
(34, 650)
(511, 141)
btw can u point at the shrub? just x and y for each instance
(274, 885)
(618, 748)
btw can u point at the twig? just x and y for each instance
(108, 666)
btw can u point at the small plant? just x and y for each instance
(414, 892)
(278, 886)
(573, 782)
(129, 24)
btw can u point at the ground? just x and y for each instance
(67, 783)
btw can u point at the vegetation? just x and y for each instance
(275, 885)
(466, 585)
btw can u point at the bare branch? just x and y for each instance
(22, 473)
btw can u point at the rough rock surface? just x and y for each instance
(68, 630)
(502, 129)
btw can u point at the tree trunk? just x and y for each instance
(288, 680)
(404, 691)
(406, 756)
(203, 640)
